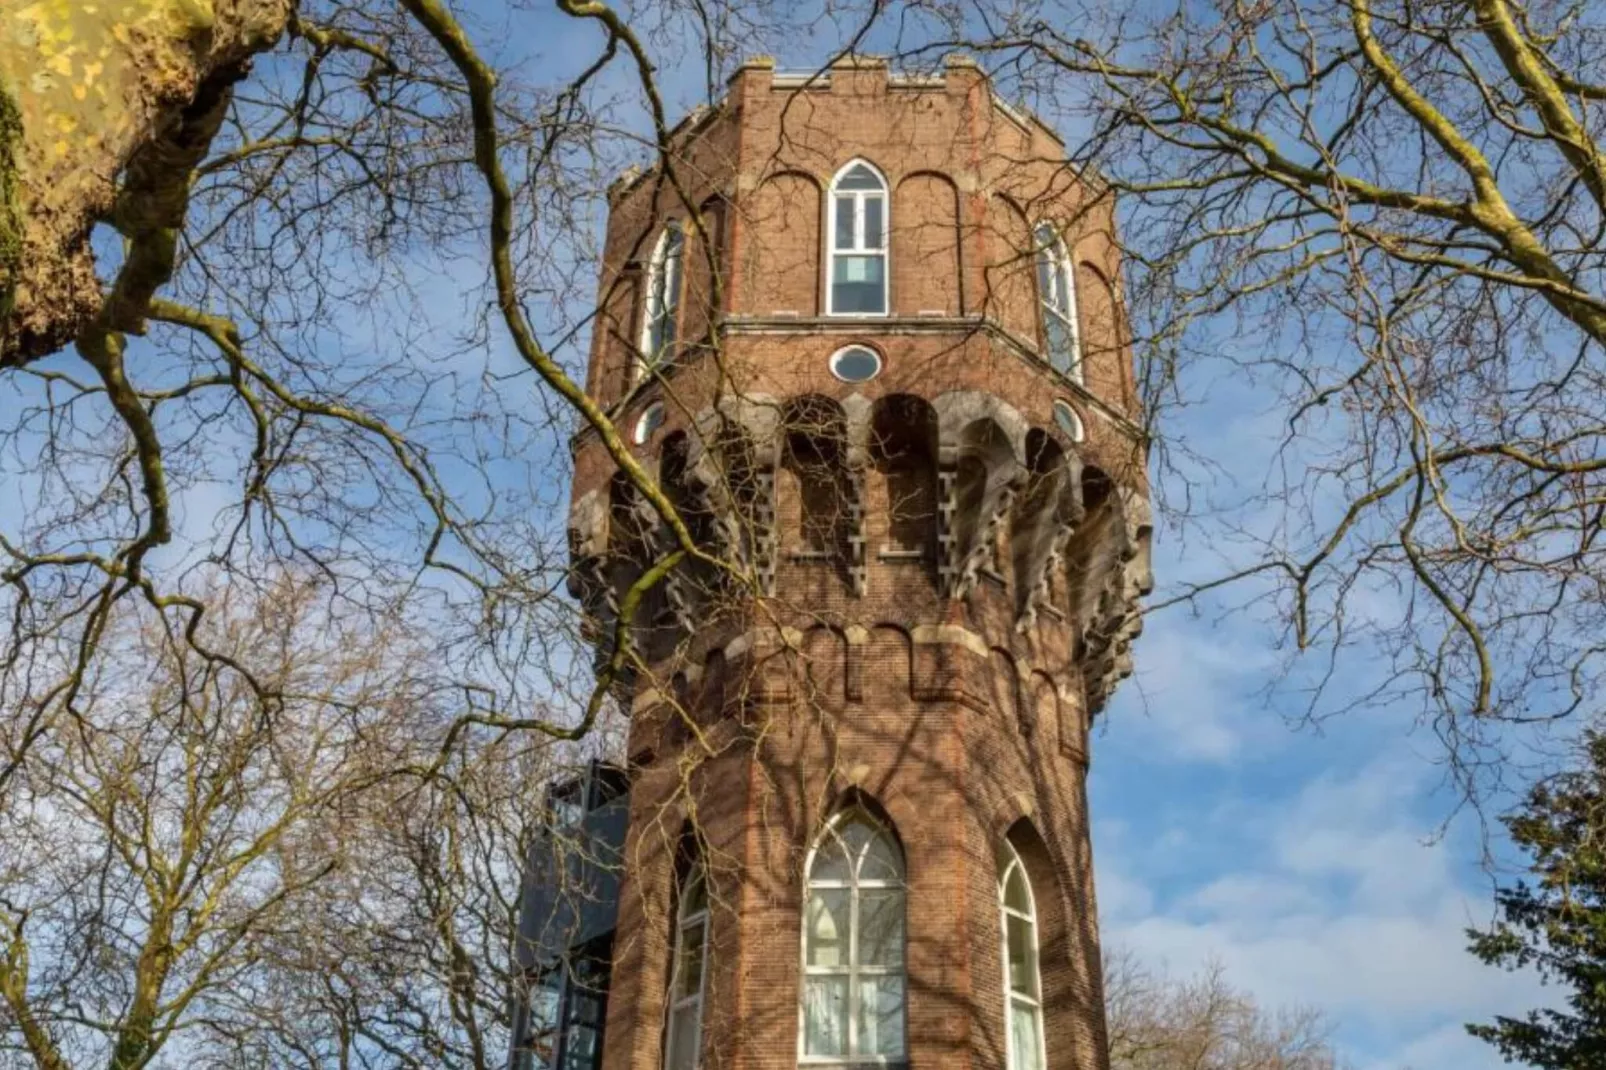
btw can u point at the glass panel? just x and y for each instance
(856, 365)
(1022, 941)
(683, 1037)
(581, 1048)
(859, 177)
(880, 1016)
(883, 861)
(1023, 1037)
(694, 896)
(857, 284)
(881, 927)
(1045, 277)
(825, 1015)
(844, 223)
(855, 835)
(1061, 344)
(830, 863)
(689, 970)
(670, 298)
(874, 231)
(826, 932)
(1069, 422)
(1016, 894)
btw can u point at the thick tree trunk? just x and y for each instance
(91, 95)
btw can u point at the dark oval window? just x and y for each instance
(855, 364)
(651, 420)
(1069, 422)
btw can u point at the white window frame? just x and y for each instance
(854, 970)
(661, 300)
(1048, 244)
(684, 923)
(1011, 996)
(859, 248)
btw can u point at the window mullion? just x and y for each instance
(853, 966)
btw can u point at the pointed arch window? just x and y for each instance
(1056, 293)
(664, 278)
(683, 1044)
(858, 233)
(1023, 984)
(853, 945)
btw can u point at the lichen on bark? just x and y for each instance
(93, 87)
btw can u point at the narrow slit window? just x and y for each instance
(1023, 986)
(858, 230)
(1056, 292)
(683, 1045)
(663, 298)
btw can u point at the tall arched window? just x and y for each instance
(858, 230)
(853, 962)
(1056, 294)
(663, 296)
(1023, 985)
(683, 1044)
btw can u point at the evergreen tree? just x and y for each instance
(1557, 924)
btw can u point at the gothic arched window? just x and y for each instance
(1023, 985)
(853, 937)
(1056, 293)
(858, 234)
(664, 276)
(683, 1044)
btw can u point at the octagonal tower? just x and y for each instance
(868, 338)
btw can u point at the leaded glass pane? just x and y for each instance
(882, 861)
(830, 863)
(881, 1016)
(825, 1015)
(827, 927)
(881, 927)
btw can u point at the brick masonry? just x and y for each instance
(936, 586)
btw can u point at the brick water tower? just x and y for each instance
(867, 335)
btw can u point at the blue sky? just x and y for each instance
(1314, 864)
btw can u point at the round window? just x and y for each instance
(1069, 422)
(855, 364)
(650, 420)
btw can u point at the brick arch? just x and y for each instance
(1065, 992)
(1010, 293)
(926, 246)
(1100, 332)
(824, 653)
(888, 662)
(1004, 683)
(815, 495)
(902, 492)
(705, 253)
(781, 245)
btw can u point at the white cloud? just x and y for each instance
(1333, 898)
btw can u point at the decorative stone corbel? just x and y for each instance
(1049, 534)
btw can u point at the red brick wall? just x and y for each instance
(957, 725)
